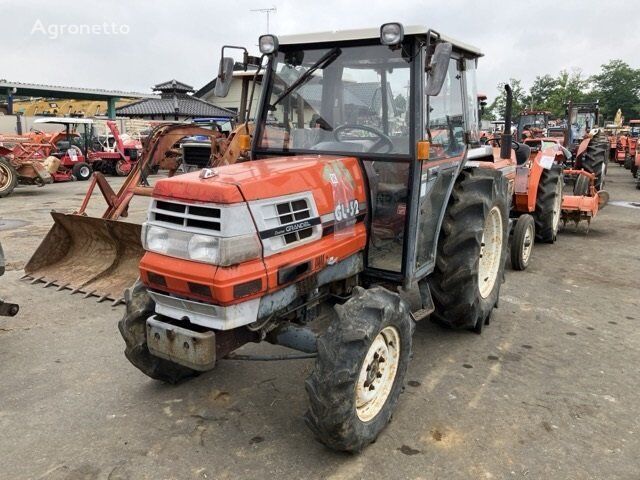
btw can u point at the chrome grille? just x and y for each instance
(187, 216)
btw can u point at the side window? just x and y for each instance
(471, 87)
(446, 116)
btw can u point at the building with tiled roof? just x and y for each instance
(174, 102)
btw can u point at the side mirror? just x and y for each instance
(438, 68)
(225, 75)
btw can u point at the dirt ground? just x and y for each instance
(548, 391)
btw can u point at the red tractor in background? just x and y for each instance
(532, 124)
(587, 145)
(632, 143)
(82, 153)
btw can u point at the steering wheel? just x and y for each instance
(383, 139)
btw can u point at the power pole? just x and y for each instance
(268, 11)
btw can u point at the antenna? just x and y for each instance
(268, 11)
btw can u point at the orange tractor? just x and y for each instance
(347, 203)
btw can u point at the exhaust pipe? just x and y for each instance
(507, 138)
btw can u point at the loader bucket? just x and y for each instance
(94, 256)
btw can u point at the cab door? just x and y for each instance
(447, 130)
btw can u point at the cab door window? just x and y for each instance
(446, 126)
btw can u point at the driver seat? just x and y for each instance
(522, 153)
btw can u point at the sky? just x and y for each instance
(134, 44)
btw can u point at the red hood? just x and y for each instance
(267, 178)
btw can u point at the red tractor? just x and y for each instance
(532, 124)
(632, 142)
(80, 153)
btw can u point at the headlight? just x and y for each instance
(222, 251)
(268, 44)
(391, 34)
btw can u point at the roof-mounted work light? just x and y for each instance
(391, 34)
(268, 44)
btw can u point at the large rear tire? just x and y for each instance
(472, 250)
(549, 205)
(133, 329)
(594, 161)
(8, 177)
(360, 368)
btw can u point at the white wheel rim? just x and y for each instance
(490, 252)
(557, 206)
(5, 177)
(378, 374)
(84, 171)
(527, 244)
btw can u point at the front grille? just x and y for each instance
(196, 155)
(189, 216)
(292, 212)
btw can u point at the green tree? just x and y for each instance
(570, 87)
(618, 86)
(541, 91)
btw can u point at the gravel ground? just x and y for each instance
(549, 391)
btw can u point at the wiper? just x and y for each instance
(323, 62)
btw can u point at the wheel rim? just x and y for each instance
(377, 374)
(490, 252)
(557, 206)
(5, 177)
(527, 244)
(84, 171)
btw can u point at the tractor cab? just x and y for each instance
(581, 118)
(404, 104)
(532, 124)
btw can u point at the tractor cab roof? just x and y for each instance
(370, 33)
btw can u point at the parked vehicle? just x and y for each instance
(344, 201)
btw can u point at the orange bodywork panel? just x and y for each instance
(528, 176)
(258, 180)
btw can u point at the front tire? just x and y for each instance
(360, 369)
(465, 283)
(522, 242)
(549, 205)
(133, 329)
(82, 171)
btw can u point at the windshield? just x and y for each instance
(339, 100)
(581, 123)
(635, 131)
(532, 121)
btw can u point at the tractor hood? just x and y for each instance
(324, 175)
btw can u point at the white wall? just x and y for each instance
(232, 100)
(8, 125)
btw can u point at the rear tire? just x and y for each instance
(522, 242)
(82, 171)
(461, 298)
(133, 329)
(8, 177)
(352, 393)
(593, 161)
(549, 205)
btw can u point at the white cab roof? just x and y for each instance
(366, 33)
(64, 120)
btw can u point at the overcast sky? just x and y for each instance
(140, 43)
